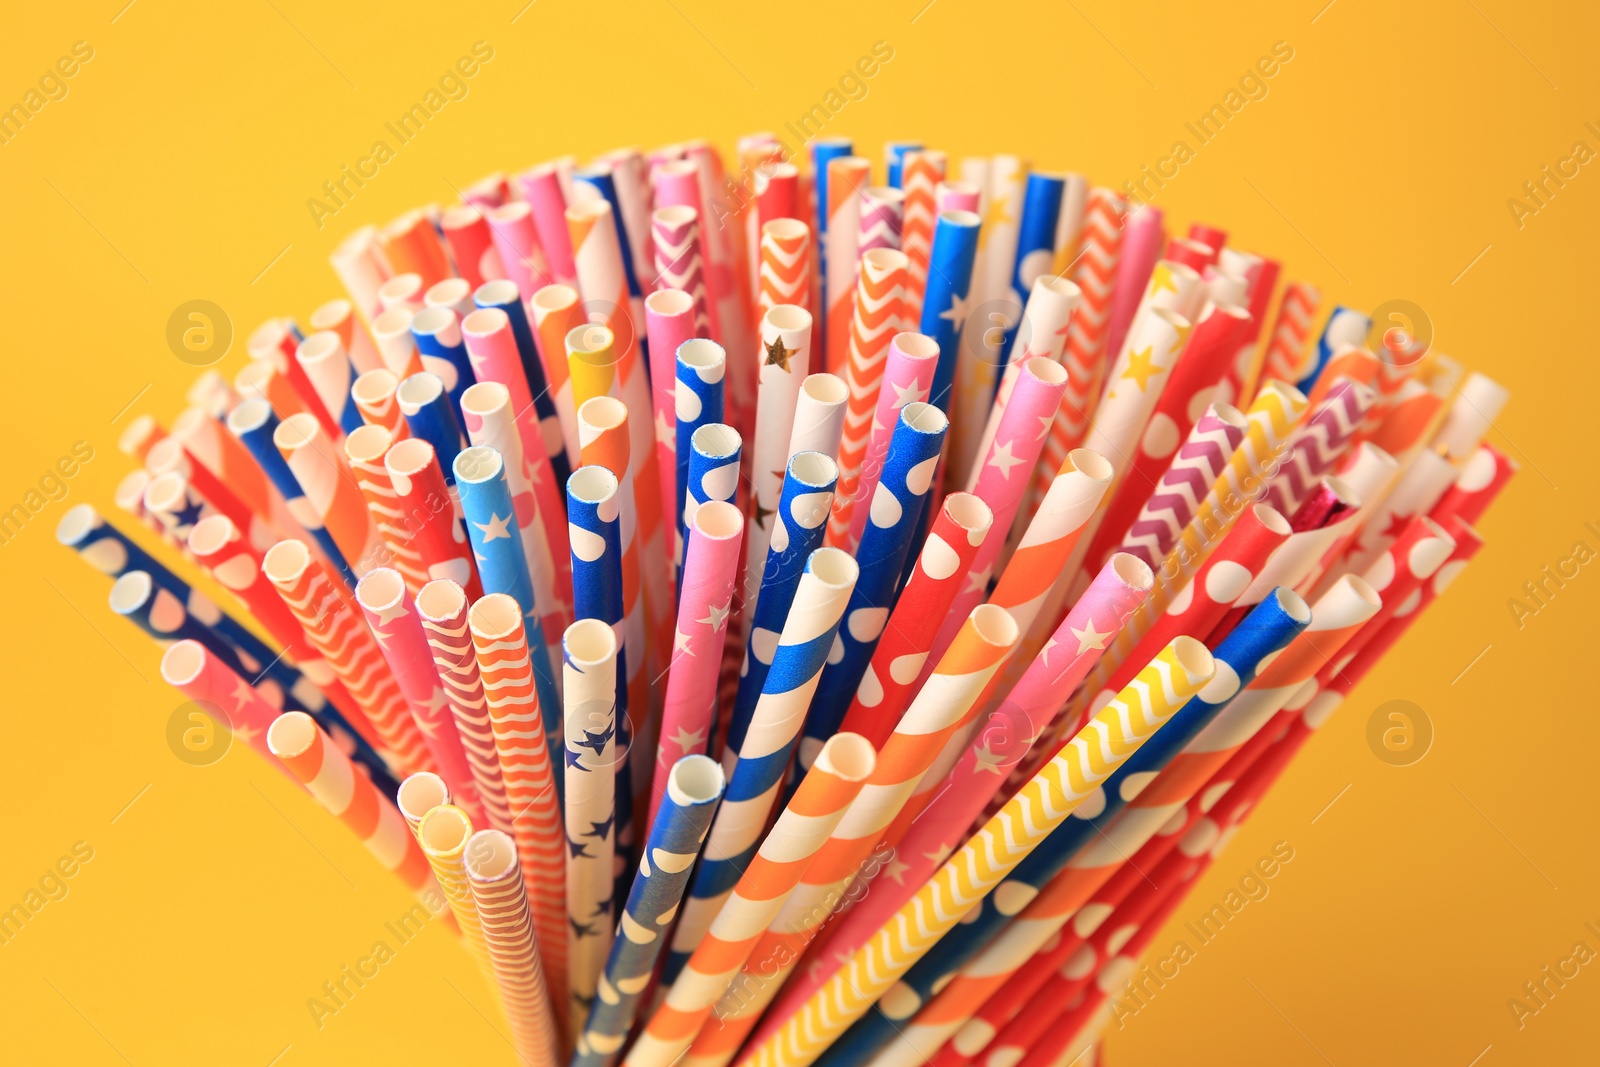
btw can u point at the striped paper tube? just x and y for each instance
(846, 177)
(490, 861)
(882, 219)
(443, 834)
(424, 498)
(168, 459)
(693, 787)
(335, 628)
(589, 657)
(908, 374)
(689, 710)
(946, 296)
(754, 899)
(373, 394)
(768, 743)
(1284, 358)
(218, 453)
(322, 356)
(330, 489)
(361, 269)
(442, 610)
(328, 775)
(896, 510)
(725, 280)
(396, 345)
(419, 794)
(876, 317)
(274, 342)
(366, 448)
(533, 786)
(557, 311)
(1068, 780)
(785, 361)
(922, 172)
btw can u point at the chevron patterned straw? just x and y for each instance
(840, 205)
(675, 232)
(1285, 354)
(1005, 840)
(922, 171)
(1319, 442)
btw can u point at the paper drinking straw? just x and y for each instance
(175, 504)
(327, 773)
(1345, 327)
(1041, 333)
(329, 488)
(1480, 482)
(1285, 354)
(396, 345)
(322, 356)
(1085, 345)
(490, 862)
(492, 530)
(1262, 276)
(403, 291)
(1035, 254)
(797, 530)
(361, 269)
(366, 449)
(541, 188)
(1269, 630)
(724, 280)
(533, 786)
(957, 196)
(964, 880)
(128, 496)
(714, 462)
(946, 296)
(219, 693)
(692, 789)
(907, 378)
(262, 379)
(632, 203)
(516, 239)
(1069, 223)
(768, 742)
(494, 361)
(1005, 736)
(887, 685)
(335, 628)
(602, 278)
(589, 660)
(675, 232)
(467, 235)
(882, 218)
(779, 195)
(819, 415)
(419, 794)
(839, 196)
(923, 170)
(877, 313)
(491, 421)
(669, 324)
(136, 439)
(689, 709)
(169, 457)
(373, 394)
(785, 361)
(453, 295)
(1143, 238)
(411, 244)
(214, 451)
(823, 151)
(785, 267)
(697, 401)
(443, 834)
(392, 616)
(423, 496)
(557, 311)
(677, 185)
(753, 899)
(897, 503)
(1318, 443)
(274, 342)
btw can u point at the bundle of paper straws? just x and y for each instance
(782, 618)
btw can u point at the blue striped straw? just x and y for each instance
(437, 332)
(697, 400)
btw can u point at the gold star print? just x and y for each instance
(1142, 367)
(998, 211)
(778, 354)
(1161, 278)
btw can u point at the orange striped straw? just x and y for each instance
(366, 448)
(443, 834)
(374, 396)
(502, 901)
(330, 488)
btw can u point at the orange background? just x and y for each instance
(1379, 166)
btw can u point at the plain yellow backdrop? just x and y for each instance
(1379, 166)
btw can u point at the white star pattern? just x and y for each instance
(908, 394)
(956, 312)
(718, 616)
(1045, 423)
(665, 435)
(495, 528)
(979, 582)
(1044, 653)
(681, 643)
(687, 740)
(1089, 638)
(897, 871)
(1001, 458)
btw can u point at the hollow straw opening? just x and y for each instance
(485, 398)
(1182, 270)
(477, 464)
(994, 625)
(1362, 589)
(969, 512)
(1293, 604)
(1343, 491)
(485, 322)
(296, 431)
(374, 386)
(833, 567)
(589, 339)
(592, 484)
(602, 412)
(885, 192)
(960, 216)
(490, 855)
(1272, 519)
(409, 456)
(420, 793)
(380, 590)
(589, 643)
(318, 347)
(76, 524)
(696, 780)
(131, 592)
(459, 215)
(554, 297)
(1195, 659)
(367, 444)
(924, 418)
(918, 345)
(166, 493)
(331, 314)
(444, 829)
(396, 322)
(495, 616)
(431, 320)
(719, 520)
(786, 229)
(1132, 571)
(183, 662)
(448, 294)
(499, 292)
(210, 534)
(591, 209)
(1046, 370)
(813, 468)
(716, 440)
(702, 353)
(1058, 285)
(1088, 462)
(266, 337)
(165, 456)
(420, 390)
(1229, 414)
(885, 259)
(825, 388)
(291, 734)
(787, 317)
(140, 428)
(676, 214)
(847, 756)
(189, 421)
(1172, 318)
(669, 302)
(440, 599)
(510, 212)
(400, 287)
(285, 561)
(129, 493)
